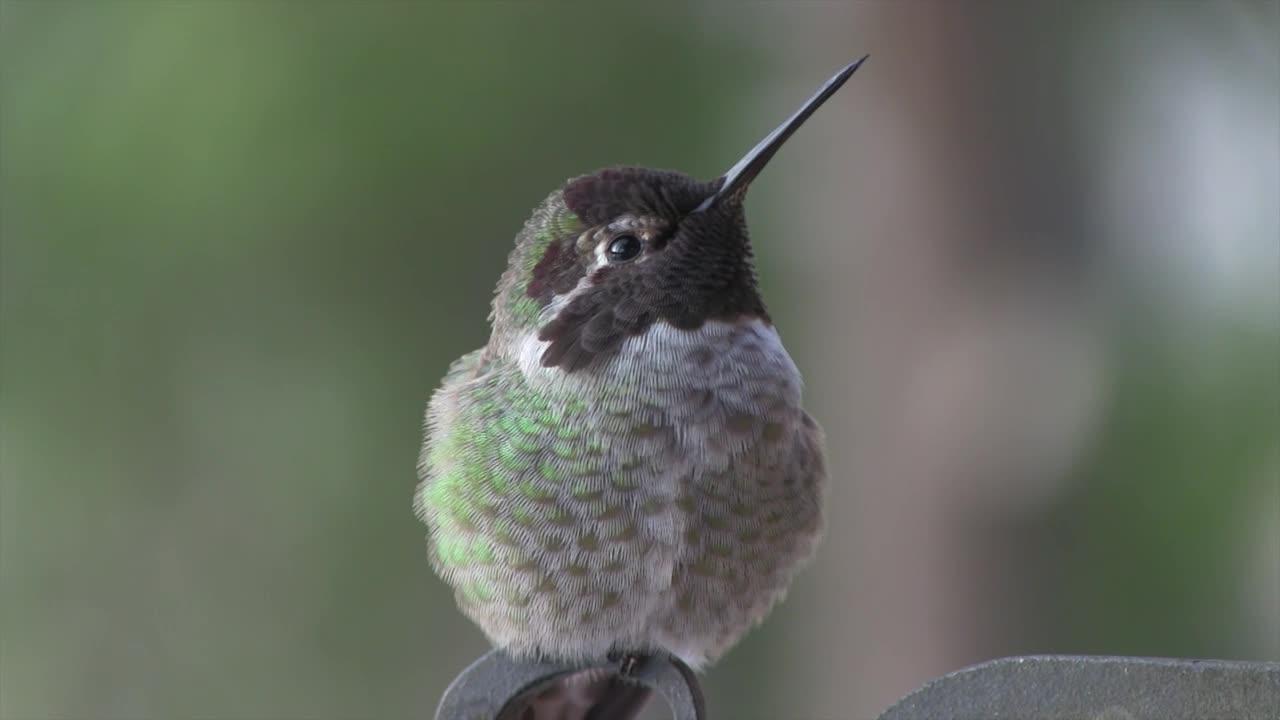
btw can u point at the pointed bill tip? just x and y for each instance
(735, 182)
(853, 66)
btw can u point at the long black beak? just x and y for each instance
(739, 177)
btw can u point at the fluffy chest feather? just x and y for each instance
(719, 389)
(628, 504)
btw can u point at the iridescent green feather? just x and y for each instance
(552, 221)
(501, 462)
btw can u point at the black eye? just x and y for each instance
(624, 247)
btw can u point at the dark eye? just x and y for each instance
(624, 247)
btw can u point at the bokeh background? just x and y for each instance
(1028, 260)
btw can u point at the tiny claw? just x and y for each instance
(629, 663)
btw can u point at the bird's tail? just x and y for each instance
(595, 694)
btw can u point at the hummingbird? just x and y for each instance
(626, 466)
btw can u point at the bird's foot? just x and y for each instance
(497, 683)
(628, 662)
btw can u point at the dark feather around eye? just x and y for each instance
(624, 247)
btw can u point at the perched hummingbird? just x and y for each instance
(626, 466)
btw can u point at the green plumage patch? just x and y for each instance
(550, 472)
(539, 256)
(476, 591)
(457, 548)
(524, 309)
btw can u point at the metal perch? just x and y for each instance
(498, 683)
(1049, 687)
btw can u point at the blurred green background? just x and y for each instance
(1029, 261)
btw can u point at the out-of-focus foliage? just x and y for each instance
(240, 242)
(1170, 500)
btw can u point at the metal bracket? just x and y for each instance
(1064, 687)
(496, 681)
(1048, 687)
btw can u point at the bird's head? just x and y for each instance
(614, 252)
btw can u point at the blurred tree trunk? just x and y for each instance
(964, 296)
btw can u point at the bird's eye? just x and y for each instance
(624, 247)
